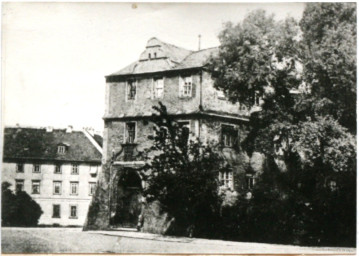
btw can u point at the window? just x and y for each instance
(20, 168)
(56, 211)
(131, 90)
(73, 211)
(158, 88)
(185, 125)
(149, 55)
(130, 132)
(92, 188)
(19, 185)
(75, 169)
(61, 149)
(57, 187)
(155, 55)
(250, 180)
(74, 188)
(226, 179)
(229, 136)
(257, 99)
(186, 87)
(35, 187)
(93, 170)
(36, 168)
(58, 168)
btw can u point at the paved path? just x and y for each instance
(73, 240)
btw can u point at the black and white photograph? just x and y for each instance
(179, 128)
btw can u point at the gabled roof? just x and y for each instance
(168, 57)
(38, 144)
(198, 59)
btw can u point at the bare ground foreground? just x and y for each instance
(74, 240)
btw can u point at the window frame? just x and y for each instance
(75, 167)
(225, 178)
(77, 188)
(154, 87)
(256, 99)
(134, 83)
(58, 167)
(53, 211)
(54, 183)
(34, 168)
(76, 211)
(182, 86)
(126, 141)
(18, 182)
(231, 139)
(21, 169)
(250, 181)
(33, 182)
(94, 184)
(61, 149)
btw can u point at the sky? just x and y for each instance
(55, 55)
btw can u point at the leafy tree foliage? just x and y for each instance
(329, 57)
(18, 209)
(182, 175)
(305, 201)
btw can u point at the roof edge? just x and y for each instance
(93, 141)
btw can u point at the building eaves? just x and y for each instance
(37, 143)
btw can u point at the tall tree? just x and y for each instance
(329, 57)
(270, 58)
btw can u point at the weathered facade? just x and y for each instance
(178, 78)
(58, 168)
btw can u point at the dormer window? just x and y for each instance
(61, 149)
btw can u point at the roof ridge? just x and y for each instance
(206, 49)
(169, 44)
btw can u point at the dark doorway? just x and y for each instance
(128, 205)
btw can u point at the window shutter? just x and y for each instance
(181, 84)
(153, 89)
(162, 85)
(193, 87)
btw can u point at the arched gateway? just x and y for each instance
(126, 199)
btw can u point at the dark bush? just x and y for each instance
(19, 209)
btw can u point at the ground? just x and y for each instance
(74, 240)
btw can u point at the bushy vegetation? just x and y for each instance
(19, 209)
(182, 175)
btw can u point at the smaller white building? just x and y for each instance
(58, 168)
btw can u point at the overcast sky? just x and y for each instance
(55, 55)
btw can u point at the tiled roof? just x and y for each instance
(169, 57)
(38, 144)
(197, 59)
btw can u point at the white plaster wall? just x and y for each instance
(46, 198)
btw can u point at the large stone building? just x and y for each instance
(58, 168)
(179, 79)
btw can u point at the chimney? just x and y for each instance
(69, 129)
(49, 129)
(199, 42)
